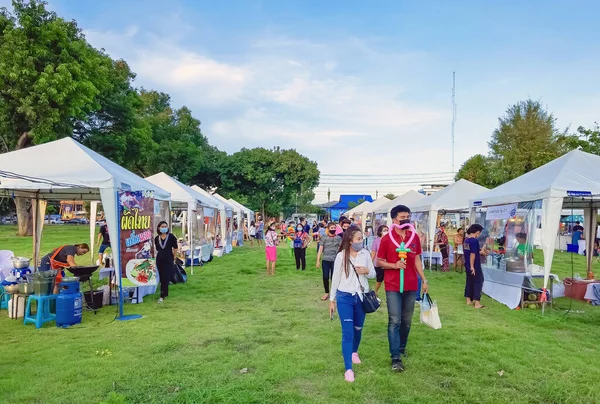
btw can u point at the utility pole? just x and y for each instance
(453, 114)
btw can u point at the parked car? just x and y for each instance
(77, 221)
(56, 221)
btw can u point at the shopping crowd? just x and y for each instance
(348, 258)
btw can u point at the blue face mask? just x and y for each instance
(164, 230)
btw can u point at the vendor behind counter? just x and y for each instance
(62, 257)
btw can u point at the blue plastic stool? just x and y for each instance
(5, 299)
(573, 248)
(43, 314)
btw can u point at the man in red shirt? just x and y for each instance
(400, 305)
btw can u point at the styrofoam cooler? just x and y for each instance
(17, 312)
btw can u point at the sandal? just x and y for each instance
(325, 297)
(480, 307)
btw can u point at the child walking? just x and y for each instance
(271, 242)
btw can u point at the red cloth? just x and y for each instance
(387, 252)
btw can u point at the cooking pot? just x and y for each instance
(11, 289)
(25, 288)
(515, 265)
(20, 262)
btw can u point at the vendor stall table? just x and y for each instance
(509, 288)
(436, 257)
(140, 291)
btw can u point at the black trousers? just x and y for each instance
(300, 255)
(165, 272)
(327, 267)
(473, 286)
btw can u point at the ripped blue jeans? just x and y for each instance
(352, 318)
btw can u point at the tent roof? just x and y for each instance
(409, 199)
(346, 199)
(378, 203)
(242, 207)
(216, 201)
(225, 202)
(455, 197)
(574, 172)
(180, 192)
(363, 207)
(67, 169)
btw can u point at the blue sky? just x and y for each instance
(360, 87)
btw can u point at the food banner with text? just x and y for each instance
(136, 221)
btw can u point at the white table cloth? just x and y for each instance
(140, 291)
(436, 257)
(505, 287)
(581, 245)
(589, 292)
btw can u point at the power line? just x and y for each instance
(388, 175)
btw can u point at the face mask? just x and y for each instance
(403, 221)
(299, 229)
(357, 246)
(332, 231)
(383, 233)
(164, 230)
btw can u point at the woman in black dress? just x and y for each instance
(166, 251)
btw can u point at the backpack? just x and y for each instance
(298, 242)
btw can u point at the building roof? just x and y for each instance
(346, 199)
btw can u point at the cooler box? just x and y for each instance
(575, 289)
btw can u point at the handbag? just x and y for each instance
(429, 313)
(370, 302)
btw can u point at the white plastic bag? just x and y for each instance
(429, 313)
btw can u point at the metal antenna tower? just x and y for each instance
(453, 114)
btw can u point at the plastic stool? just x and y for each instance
(43, 314)
(4, 300)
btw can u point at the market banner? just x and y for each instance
(136, 223)
(502, 212)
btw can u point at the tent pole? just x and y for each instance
(35, 209)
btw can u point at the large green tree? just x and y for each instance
(270, 181)
(50, 77)
(586, 139)
(526, 138)
(476, 170)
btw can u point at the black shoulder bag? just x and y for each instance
(370, 303)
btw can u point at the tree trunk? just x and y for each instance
(24, 216)
(23, 205)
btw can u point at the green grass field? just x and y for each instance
(230, 316)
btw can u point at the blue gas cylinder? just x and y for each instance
(68, 304)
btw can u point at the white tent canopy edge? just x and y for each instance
(570, 181)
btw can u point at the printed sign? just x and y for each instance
(579, 193)
(136, 221)
(502, 212)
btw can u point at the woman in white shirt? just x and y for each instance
(352, 267)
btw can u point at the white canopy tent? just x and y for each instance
(455, 198)
(222, 214)
(72, 172)
(572, 181)
(372, 208)
(409, 199)
(359, 209)
(244, 214)
(227, 236)
(359, 213)
(192, 200)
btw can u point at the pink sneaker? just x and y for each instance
(356, 359)
(349, 376)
